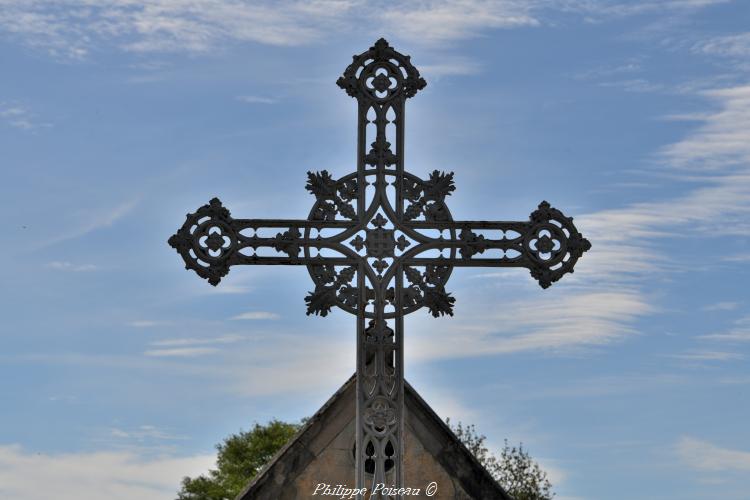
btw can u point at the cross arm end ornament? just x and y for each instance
(555, 244)
(206, 241)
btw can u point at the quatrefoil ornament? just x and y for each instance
(207, 241)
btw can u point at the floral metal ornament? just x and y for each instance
(380, 243)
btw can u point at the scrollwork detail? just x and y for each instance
(428, 289)
(332, 287)
(288, 242)
(428, 197)
(472, 243)
(320, 301)
(334, 197)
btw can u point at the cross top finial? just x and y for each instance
(381, 74)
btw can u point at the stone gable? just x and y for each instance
(323, 453)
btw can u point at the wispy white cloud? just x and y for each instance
(739, 332)
(706, 456)
(741, 380)
(72, 29)
(189, 347)
(116, 475)
(312, 363)
(146, 323)
(556, 474)
(20, 117)
(719, 208)
(224, 339)
(181, 352)
(101, 219)
(450, 66)
(703, 355)
(254, 315)
(254, 99)
(628, 67)
(737, 258)
(721, 306)
(686, 117)
(69, 266)
(721, 205)
(579, 319)
(435, 22)
(733, 46)
(269, 363)
(600, 10)
(67, 398)
(722, 141)
(627, 76)
(265, 363)
(634, 85)
(144, 433)
(439, 21)
(625, 237)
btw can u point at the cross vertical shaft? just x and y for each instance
(381, 80)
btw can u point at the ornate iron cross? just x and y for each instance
(380, 243)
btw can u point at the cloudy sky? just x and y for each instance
(119, 370)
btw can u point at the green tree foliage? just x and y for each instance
(515, 470)
(240, 458)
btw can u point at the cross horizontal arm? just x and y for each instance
(298, 223)
(211, 241)
(469, 224)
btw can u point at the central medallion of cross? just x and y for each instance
(380, 243)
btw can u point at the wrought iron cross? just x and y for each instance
(380, 243)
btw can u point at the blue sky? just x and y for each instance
(120, 370)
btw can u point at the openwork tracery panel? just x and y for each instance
(380, 243)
